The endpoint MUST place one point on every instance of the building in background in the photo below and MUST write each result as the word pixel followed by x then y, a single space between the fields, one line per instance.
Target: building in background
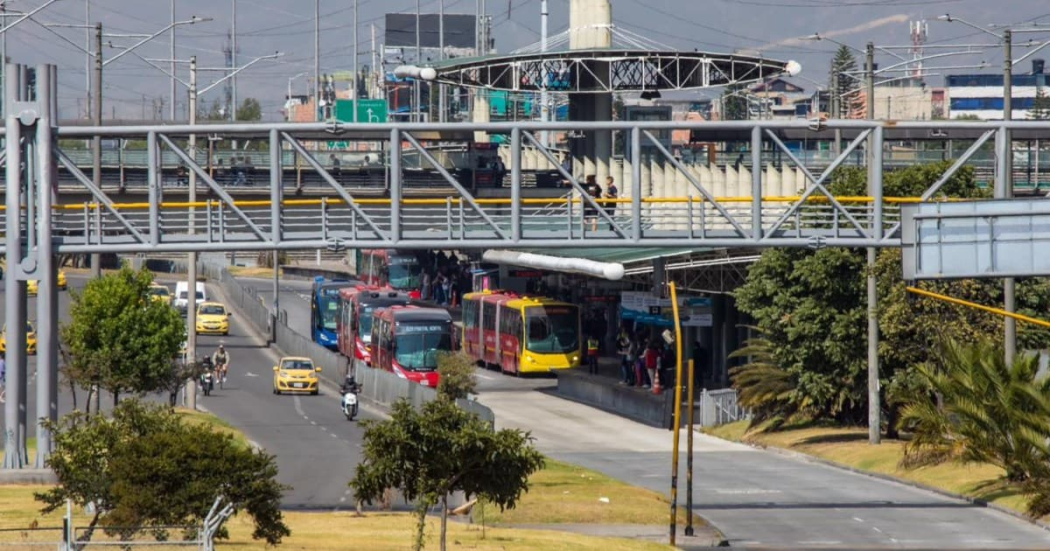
pixel 981 96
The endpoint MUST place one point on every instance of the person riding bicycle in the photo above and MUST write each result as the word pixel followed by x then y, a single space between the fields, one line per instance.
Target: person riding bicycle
pixel 221 360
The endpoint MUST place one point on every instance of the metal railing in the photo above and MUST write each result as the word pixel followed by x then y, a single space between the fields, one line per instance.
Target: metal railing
pixel 719 407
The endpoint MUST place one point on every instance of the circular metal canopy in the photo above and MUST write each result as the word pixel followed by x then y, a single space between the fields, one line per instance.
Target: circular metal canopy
pixel 608 70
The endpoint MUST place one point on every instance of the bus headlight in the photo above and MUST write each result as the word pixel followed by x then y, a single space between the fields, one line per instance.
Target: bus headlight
pixel 529 358
pixel 575 358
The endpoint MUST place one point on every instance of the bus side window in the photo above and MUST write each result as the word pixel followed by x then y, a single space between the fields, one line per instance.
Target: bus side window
pixel 351 316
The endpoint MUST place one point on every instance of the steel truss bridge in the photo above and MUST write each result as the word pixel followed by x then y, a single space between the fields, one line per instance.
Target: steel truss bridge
pixel 646 216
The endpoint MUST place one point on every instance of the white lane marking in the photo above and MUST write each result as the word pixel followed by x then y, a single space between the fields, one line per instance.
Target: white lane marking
pixel 744 491
pixel 324 429
pixel 250 374
pixel 858 519
pixel 819 542
pixel 876 529
pixel 299 406
pixel 333 435
pixel 314 423
pixel 342 499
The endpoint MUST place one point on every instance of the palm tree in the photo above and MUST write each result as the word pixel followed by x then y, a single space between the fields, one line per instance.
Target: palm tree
pixel 981 410
pixel 763 387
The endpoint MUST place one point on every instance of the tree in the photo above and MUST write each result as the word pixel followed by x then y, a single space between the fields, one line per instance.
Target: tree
pixel 119 339
pixel 429 454
pixel 457 375
pixel 842 64
pixel 811 306
pixel 146 468
pixel 249 110
pixel 764 388
pixel 1040 107
pixel 979 409
pixel 216 112
pixel 734 104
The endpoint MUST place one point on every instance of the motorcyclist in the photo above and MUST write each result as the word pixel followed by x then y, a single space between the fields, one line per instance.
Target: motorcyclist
pixel 221 360
pixel 350 385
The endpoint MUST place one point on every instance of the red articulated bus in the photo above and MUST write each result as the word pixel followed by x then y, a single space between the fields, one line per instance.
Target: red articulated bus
pixel 406 340
pixel 390 268
pixel 357 304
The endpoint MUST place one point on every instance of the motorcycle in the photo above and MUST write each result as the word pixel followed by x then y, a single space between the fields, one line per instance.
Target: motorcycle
pixel 349 403
pixel 207 382
pixel 207 379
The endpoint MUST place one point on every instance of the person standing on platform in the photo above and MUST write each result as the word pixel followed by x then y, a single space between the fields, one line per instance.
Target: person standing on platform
pixel 592 354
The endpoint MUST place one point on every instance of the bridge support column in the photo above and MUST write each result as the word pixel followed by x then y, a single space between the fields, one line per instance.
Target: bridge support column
pixel 16 101
pixel 47 289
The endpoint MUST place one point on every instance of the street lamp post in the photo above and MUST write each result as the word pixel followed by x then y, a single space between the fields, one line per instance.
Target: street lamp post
pixel 1004 188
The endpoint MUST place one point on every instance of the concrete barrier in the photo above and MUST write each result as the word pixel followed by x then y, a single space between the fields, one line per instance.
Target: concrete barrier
pixel 603 393
pixel 379 387
pixel 309 272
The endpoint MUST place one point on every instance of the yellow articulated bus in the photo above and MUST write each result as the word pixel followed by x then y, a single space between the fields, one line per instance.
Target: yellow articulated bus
pixel 521 334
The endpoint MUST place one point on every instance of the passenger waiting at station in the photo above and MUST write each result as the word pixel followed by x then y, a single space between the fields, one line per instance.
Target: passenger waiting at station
pixel 592 355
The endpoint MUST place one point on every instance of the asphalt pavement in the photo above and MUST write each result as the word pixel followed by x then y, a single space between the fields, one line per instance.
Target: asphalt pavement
pixel 317 449
pixel 755 498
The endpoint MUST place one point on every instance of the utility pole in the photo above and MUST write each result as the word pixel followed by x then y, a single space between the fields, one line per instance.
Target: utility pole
pixel 544 97
pixel 191 259
pixel 96 143
pixel 171 112
pixel 233 63
pixel 3 58
pixel 874 407
pixel 87 55
pixel 317 58
pixel 1006 191
pixel 441 57
pixel 416 86
pixel 357 74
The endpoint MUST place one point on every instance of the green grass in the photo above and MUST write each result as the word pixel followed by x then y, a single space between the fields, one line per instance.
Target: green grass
pixel 849 446
pixel 329 531
pixel 561 493
pixel 217 424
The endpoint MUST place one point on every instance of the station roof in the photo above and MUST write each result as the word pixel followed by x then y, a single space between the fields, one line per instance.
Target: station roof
pixel 608 70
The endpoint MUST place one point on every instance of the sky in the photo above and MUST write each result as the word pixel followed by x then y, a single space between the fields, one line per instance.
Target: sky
pixel 773 27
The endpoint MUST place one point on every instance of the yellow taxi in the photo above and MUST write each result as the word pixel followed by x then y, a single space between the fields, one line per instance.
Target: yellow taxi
pixel 295 374
pixel 30 339
pixel 160 293
pixel 32 284
pixel 213 318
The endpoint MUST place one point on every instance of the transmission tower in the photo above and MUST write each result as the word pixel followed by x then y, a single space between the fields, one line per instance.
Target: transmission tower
pixel 919 30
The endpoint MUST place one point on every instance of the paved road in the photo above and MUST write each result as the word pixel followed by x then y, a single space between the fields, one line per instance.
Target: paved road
pixel 756 498
pixel 308 434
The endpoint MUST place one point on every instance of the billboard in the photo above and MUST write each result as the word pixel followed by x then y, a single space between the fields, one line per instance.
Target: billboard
pixel 460 30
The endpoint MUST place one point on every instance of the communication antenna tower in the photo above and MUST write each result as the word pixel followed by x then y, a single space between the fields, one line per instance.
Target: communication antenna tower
pixel 919 31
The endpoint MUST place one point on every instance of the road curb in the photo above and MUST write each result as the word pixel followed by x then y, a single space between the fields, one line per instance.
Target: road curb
pixel 889 478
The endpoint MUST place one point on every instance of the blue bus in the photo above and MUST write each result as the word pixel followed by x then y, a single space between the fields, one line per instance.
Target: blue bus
pixel 324 310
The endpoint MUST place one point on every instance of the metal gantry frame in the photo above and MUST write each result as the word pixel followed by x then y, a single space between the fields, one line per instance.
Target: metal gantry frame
pixel 691 215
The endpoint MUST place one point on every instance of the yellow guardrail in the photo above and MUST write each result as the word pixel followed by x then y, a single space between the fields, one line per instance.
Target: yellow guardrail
pixel 495 202
pixel 968 304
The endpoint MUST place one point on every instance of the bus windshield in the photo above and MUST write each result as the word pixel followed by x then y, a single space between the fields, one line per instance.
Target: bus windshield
pixel 404 273
pixel 418 345
pixel 329 310
pixel 552 329
pixel 364 323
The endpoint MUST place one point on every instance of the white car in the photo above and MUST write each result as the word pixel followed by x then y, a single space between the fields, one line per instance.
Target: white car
pixel 182 295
